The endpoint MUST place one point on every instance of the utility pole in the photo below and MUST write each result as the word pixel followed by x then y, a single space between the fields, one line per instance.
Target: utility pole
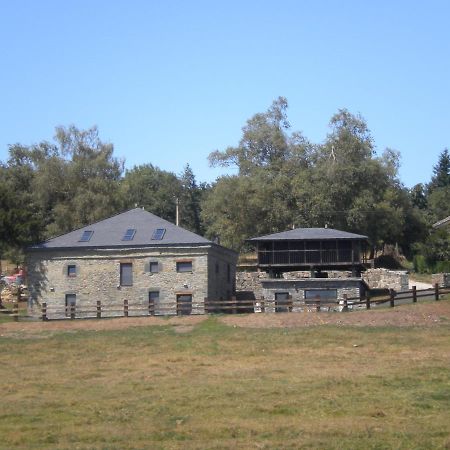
pixel 177 220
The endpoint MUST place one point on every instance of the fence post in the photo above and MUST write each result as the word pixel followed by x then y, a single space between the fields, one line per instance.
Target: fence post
pixel 262 304
pixel 391 297
pixel 72 311
pixel 125 308
pixel 414 294
pixel 436 291
pixel 345 308
pixel 367 301
pixel 290 303
pixel 44 311
pixel 206 305
pixel 99 309
pixel 234 304
pixel 16 311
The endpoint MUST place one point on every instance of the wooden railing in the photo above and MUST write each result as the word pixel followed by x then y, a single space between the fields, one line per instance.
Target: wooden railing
pixel 269 257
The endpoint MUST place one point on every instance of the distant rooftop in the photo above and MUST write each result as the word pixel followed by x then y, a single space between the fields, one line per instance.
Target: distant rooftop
pixel 133 228
pixel 305 234
pixel 442 223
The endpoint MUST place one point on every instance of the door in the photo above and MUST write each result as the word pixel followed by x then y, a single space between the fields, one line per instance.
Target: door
pixel 282 302
pixel 184 304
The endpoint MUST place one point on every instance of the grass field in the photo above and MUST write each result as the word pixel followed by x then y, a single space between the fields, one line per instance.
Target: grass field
pixel 213 386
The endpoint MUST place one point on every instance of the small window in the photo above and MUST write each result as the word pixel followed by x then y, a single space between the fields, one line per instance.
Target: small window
pixel 228 273
pixel 71 270
pixel 158 234
pixel 217 267
pixel 184 266
pixel 321 294
pixel 153 267
pixel 129 234
pixel 86 236
pixel 126 274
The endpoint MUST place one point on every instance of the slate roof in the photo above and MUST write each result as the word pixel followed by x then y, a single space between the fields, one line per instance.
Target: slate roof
pixel 442 223
pixel 306 234
pixel 109 233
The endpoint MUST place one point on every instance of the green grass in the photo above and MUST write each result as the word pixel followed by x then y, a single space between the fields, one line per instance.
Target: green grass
pixel 220 387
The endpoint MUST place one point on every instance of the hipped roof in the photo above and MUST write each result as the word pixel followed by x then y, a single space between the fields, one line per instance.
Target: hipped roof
pixel 109 233
pixel 307 234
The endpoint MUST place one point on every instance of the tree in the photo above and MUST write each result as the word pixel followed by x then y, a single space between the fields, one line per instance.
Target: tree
pixel 154 189
pixel 441 172
pixel 190 201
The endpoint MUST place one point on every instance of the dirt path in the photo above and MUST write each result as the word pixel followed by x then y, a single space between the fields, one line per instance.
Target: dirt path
pixel 425 314
pixel 419 284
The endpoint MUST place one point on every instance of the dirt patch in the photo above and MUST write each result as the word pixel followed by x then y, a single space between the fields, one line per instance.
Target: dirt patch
pixel 426 314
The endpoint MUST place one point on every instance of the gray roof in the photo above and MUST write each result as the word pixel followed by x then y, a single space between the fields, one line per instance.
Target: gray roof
pixel 109 233
pixel 442 223
pixel 305 234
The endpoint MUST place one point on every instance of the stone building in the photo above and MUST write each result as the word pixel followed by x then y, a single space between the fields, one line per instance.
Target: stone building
pixel 135 256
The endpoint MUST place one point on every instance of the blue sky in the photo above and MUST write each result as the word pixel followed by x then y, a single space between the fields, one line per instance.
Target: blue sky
pixel 169 82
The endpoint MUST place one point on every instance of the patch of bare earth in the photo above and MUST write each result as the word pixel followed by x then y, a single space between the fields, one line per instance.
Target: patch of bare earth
pixel 425 314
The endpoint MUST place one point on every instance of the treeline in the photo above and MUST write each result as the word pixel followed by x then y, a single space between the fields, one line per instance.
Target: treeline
pixel 283 181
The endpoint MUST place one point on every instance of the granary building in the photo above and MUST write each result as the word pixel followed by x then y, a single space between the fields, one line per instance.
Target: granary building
pixel 310 264
pixel 135 258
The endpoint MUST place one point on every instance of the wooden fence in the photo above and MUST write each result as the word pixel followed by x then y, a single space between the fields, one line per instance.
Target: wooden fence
pixel 235 306
pixel 232 306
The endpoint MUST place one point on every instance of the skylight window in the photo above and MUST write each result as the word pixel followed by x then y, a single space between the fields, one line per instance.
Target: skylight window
pixel 86 236
pixel 129 234
pixel 158 234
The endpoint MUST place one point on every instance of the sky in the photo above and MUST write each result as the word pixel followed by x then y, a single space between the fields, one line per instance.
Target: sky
pixel 168 82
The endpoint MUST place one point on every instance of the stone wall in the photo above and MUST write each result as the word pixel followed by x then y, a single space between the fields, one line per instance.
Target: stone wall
pixel 442 279
pixel 386 279
pixel 342 288
pixel 249 283
pixel 98 278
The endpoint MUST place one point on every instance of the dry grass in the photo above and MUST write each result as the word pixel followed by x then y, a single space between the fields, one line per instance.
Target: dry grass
pixel 209 385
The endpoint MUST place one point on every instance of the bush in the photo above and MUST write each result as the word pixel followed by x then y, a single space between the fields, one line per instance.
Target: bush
pixel 420 264
pixel 442 267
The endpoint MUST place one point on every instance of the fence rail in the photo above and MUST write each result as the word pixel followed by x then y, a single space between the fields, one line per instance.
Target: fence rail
pixel 235 306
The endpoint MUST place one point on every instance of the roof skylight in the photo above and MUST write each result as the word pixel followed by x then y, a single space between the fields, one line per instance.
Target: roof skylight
pixel 86 236
pixel 129 234
pixel 158 234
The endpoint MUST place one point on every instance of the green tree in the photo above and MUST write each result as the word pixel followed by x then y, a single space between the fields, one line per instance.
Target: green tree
pixel 154 189
pixel 190 201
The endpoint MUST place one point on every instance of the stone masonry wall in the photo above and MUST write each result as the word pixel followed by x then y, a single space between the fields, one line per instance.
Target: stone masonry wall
pixel 98 278
pixel 386 279
pixel 442 279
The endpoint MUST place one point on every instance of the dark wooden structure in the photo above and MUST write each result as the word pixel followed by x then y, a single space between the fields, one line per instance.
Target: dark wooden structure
pixel 315 249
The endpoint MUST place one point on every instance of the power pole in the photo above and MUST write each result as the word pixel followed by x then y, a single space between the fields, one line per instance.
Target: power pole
pixel 177 220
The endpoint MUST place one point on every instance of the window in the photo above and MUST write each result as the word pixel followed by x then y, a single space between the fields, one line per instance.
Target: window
pixel 129 234
pixel 228 273
pixel 71 300
pixel 126 274
pixel 86 236
pixel 71 270
pixel 158 234
pixel 321 294
pixel 217 267
pixel 153 298
pixel 184 266
pixel 153 267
